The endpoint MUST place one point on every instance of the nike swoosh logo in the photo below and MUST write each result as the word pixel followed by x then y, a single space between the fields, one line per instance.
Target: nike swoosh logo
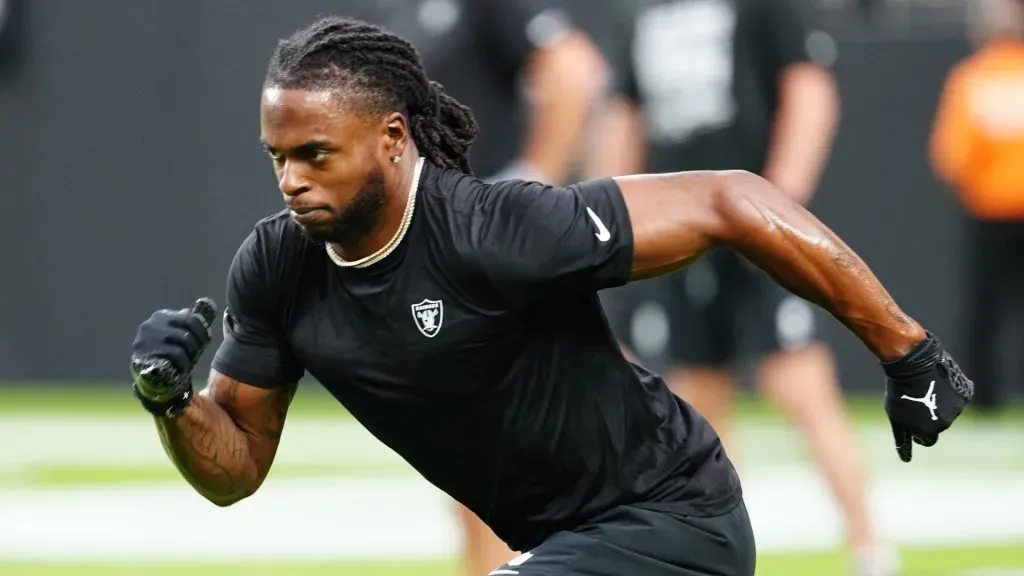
pixel 603 235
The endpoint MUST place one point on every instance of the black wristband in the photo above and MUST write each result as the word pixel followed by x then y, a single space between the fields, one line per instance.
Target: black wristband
pixel 168 409
pixel 922 357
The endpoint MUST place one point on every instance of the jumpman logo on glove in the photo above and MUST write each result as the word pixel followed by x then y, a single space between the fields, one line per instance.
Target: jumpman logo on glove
pixel 928 400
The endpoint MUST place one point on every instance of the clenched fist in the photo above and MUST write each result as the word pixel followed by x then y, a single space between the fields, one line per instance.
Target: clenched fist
pixel 167 348
pixel 925 391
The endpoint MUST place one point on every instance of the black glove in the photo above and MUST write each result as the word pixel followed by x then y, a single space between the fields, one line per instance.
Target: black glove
pixel 925 391
pixel 166 349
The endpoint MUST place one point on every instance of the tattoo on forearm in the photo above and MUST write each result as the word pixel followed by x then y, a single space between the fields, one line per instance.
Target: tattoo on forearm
pixel 274 413
pixel 212 455
pixel 218 455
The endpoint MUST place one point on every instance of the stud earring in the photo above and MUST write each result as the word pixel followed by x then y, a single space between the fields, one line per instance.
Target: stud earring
pixel 395 159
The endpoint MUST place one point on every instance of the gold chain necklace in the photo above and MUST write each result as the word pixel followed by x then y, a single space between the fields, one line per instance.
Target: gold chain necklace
pixel 388 248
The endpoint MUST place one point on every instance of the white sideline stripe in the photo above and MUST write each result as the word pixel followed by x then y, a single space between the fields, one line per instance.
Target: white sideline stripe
pixel 132 441
pixel 365 518
pixel 380 518
pixel 792 509
pixel 126 440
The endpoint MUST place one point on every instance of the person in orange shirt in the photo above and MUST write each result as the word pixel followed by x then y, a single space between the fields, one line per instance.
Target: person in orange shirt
pixel 977 147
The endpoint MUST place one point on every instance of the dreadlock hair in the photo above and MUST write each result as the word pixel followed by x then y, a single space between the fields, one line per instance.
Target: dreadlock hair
pixel 386 73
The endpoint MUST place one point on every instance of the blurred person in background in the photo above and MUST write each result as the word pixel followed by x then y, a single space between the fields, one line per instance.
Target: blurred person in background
pixel 530 76
pixel 977 147
pixel 716 84
pixel 528 72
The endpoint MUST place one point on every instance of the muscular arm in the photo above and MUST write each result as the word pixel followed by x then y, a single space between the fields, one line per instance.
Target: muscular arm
pixel 225 441
pixel 676 217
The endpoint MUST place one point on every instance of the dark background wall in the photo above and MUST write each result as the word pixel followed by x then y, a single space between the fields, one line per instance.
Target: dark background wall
pixel 130 172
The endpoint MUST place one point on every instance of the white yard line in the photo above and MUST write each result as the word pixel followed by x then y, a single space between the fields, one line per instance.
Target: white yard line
pixel 132 441
pixel 364 518
pixel 792 509
pixel 357 518
pixel 118 441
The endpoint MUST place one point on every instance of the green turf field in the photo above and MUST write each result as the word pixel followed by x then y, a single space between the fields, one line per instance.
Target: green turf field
pixel 991 561
pixel 97 399
pixel 63 444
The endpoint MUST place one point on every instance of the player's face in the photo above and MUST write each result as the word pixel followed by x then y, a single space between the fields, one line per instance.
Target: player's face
pixel 329 160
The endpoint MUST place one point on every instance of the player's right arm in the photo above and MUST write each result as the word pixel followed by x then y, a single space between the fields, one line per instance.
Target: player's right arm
pixel 225 440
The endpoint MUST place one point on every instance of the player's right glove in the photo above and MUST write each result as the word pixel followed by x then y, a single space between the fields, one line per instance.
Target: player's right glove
pixel 166 349
pixel 925 391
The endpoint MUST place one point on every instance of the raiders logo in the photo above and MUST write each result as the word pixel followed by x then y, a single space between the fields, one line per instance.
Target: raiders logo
pixel 428 316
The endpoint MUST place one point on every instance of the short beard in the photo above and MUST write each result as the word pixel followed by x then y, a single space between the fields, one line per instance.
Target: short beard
pixel 349 228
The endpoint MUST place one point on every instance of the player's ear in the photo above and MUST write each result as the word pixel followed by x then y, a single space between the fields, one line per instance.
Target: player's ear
pixel 395 135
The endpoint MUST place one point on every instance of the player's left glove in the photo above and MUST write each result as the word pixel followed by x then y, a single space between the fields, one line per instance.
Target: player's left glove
pixel 925 391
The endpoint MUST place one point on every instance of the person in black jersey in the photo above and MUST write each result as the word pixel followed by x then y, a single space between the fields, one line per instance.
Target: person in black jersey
pixel 459 322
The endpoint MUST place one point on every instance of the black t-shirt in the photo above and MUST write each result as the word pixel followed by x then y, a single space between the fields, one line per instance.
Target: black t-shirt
pixel 705 74
pixel 477 49
pixel 479 352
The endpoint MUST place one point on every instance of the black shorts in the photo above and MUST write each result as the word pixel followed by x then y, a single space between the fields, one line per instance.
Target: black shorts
pixel 637 541
pixel 719 311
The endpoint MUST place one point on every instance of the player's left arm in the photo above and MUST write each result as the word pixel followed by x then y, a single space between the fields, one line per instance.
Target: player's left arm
pixel 536 242
pixel 676 217
pixel 564 74
pixel 805 120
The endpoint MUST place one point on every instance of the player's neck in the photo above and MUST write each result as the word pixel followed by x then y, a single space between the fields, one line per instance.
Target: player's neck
pixel 392 213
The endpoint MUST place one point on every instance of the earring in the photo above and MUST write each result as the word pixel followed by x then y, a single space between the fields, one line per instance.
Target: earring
pixel 395 159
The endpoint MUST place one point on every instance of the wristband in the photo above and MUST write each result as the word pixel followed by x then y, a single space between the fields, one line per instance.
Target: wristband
pixel 171 408
pixel 922 357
